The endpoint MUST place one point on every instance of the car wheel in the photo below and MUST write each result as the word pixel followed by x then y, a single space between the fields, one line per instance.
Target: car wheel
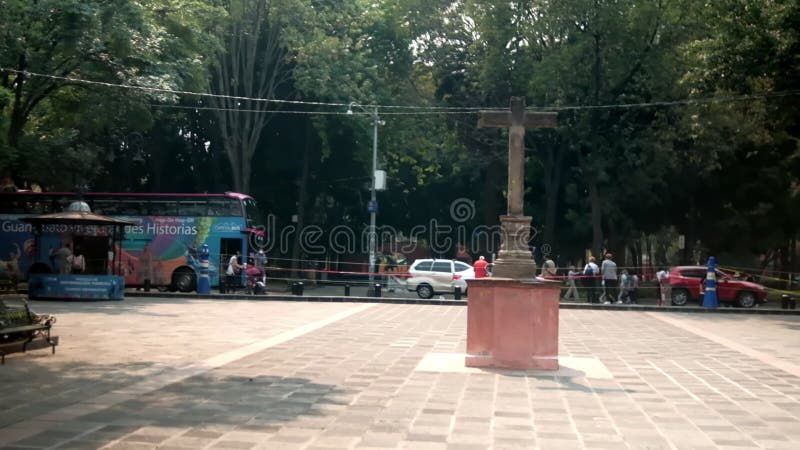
pixel 680 297
pixel 746 299
pixel 183 280
pixel 425 291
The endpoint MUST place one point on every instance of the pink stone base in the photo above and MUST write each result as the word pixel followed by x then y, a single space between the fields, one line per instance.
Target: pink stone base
pixel 512 324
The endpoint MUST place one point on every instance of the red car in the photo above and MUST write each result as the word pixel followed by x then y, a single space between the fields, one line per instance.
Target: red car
pixel 688 283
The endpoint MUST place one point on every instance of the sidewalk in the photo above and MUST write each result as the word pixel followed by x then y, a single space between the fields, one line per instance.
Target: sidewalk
pixel 192 373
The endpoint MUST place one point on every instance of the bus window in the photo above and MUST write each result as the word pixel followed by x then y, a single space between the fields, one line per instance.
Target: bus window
pixel 252 213
pixel 192 208
pixel 224 207
pixel 162 208
pixel 103 207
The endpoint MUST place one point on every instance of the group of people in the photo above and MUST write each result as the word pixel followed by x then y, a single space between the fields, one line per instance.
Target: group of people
pixel 254 270
pixel 603 283
pixel 67 261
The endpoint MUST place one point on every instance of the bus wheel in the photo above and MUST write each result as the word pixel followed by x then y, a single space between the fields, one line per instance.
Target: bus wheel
pixel 183 280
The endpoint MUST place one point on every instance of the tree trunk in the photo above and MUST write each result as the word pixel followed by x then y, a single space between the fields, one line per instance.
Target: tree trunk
pixel 490 201
pixel 18 117
pixel 252 69
pixel 553 169
pixel 302 194
pixel 597 215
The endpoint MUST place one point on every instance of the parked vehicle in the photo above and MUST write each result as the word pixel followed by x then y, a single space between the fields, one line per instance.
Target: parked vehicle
pixel 438 276
pixel 688 284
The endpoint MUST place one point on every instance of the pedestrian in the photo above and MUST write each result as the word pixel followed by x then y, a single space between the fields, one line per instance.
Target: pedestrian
pixel 629 285
pixel 609 272
pixel 548 268
pixel 590 273
pixel 623 291
pixel 61 257
pixel 234 270
pixel 480 267
pixel 664 288
pixel 633 288
pixel 572 290
pixel 463 255
pixel 78 262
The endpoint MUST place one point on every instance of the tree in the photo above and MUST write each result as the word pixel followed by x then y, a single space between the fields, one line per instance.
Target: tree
pixel 751 145
pixel 45 43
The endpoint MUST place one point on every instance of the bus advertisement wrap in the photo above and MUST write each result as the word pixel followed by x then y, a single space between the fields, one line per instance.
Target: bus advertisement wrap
pixel 153 248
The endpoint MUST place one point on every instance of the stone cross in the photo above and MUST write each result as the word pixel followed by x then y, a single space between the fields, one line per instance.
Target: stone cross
pixel 514 259
pixel 517 120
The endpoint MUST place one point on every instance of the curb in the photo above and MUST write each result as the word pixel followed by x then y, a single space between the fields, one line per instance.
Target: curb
pixel 419 301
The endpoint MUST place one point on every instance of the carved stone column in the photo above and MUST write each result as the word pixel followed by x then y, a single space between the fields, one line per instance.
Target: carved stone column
pixel 514 260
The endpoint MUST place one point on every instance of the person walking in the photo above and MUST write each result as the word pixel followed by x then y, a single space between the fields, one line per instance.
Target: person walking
pixel 572 290
pixel 609 272
pixel 628 287
pixel 633 288
pixel 590 273
pixel 664 288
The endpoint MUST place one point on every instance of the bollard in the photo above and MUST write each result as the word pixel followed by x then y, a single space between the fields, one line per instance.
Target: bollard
pixel 204 281
pixel 377 290
pixel 347 290
pixel 147 285
pixel 710 299
pixel 457 292
pixel 298 288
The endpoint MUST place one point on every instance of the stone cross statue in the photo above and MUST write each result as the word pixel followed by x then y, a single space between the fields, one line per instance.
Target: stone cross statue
pixel 515 259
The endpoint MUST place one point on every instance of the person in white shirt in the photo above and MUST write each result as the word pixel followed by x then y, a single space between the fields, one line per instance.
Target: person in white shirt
pixel 665 290
pixel 77 261
pixel 572 290
pixel 609 271
pixel 234 271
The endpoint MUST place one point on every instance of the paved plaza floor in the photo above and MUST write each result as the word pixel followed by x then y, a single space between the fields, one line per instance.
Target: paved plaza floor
pixel 177 373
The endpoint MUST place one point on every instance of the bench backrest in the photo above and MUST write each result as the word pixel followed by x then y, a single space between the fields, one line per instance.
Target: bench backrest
pixel 14 312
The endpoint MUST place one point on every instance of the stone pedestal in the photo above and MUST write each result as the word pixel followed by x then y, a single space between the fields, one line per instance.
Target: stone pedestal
pixel 514 260
pixel 512 324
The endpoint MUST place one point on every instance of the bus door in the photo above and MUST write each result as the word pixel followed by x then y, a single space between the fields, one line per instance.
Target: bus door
pixel 227 248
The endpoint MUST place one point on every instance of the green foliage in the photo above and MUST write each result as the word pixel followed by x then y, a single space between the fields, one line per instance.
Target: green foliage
pixel 606 177
pixel 149 43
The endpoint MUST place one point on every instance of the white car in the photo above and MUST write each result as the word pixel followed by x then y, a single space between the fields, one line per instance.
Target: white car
pixel 438 276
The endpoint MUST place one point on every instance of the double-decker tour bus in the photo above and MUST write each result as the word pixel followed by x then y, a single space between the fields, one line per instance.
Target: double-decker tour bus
pixel 160 248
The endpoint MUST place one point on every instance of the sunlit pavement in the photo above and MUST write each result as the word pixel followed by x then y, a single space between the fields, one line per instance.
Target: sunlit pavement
pixel 240 374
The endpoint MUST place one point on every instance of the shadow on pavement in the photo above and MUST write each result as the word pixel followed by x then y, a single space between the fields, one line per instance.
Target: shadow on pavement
pixel 199 407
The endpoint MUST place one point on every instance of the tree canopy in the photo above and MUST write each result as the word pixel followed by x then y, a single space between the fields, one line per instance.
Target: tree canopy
pixel 675 118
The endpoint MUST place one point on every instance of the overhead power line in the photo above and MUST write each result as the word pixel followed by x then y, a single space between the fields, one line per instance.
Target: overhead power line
pixel 385 109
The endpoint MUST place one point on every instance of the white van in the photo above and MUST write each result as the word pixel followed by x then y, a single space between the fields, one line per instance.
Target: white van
pixel 438 276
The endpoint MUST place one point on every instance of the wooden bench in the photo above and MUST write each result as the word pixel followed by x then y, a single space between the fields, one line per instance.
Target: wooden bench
pixel 21 329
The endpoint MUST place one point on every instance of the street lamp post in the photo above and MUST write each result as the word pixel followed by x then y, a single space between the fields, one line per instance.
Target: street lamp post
pixel 373 206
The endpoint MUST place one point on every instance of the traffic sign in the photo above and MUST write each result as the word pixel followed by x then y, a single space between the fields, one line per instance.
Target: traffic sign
pixel 372 206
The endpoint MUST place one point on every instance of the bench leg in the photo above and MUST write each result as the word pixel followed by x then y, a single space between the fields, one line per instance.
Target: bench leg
pixel 25 344
pixel 51 341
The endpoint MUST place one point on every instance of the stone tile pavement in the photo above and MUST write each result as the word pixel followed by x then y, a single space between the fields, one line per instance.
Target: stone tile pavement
pixel 236 374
